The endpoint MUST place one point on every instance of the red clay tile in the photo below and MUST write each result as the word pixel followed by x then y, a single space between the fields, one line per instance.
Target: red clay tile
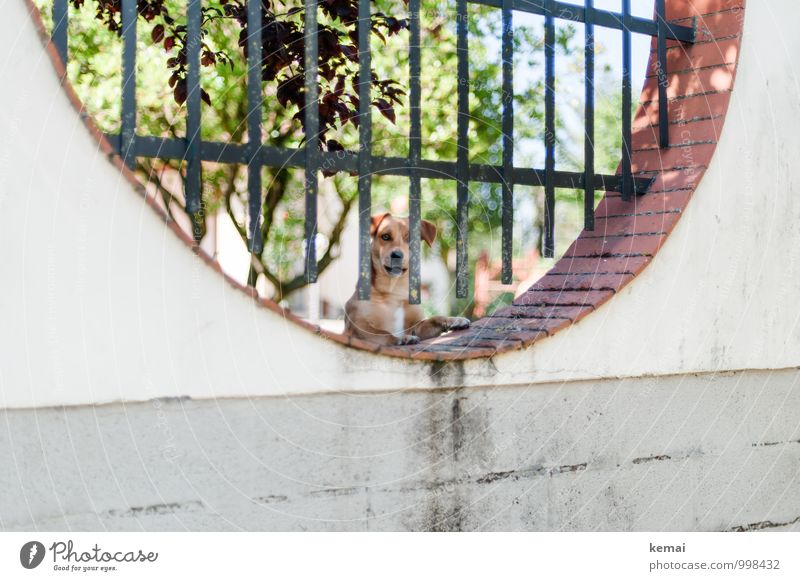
pixel 659 160
pixel 582 281
pixel 527 337
pixel 688 8
pixel 505 327
pixel 540 314
pixel 642 224
pixel 479 343
pixel 684 109
pixel 628 264
pixel 694 82
pixel 680 134
pixel 563 298
pixel 499 324
pixel 616 245
pixel 719 25
pixel 680 58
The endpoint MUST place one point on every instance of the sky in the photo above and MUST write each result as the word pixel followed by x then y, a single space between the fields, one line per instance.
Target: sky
pixel 609 53
pixel 612 40
pixel 609 43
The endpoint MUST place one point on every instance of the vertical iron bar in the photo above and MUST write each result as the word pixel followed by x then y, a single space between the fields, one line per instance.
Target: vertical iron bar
pixel 312 137
pixel 462 160
pixel 364 150
pixel 663 104
pixel 549 129
pixel 61 28
pixel 127 133
pixel 627 181
pixel 254 106
pixel 508 141
pixel 415 155
pixel 193 104
pixel 588 148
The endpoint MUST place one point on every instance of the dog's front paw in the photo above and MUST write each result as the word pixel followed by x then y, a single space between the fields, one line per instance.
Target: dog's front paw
pixel 408 340
pixel 458 323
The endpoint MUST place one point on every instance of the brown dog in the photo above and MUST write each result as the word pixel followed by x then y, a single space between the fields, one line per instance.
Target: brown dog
pixel 387 317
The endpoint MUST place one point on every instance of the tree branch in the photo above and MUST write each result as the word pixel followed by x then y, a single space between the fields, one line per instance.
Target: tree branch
pixel 284 288
pixel 154 176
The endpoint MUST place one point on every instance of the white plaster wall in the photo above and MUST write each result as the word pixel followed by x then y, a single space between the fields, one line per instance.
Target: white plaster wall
pixel 691 452
pixel 99 301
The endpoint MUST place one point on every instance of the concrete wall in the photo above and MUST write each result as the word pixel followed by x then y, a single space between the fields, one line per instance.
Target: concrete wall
pixel 691 452
pixel 100 303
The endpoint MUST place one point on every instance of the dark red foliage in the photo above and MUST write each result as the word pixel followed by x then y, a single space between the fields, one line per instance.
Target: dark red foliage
pixel 283 54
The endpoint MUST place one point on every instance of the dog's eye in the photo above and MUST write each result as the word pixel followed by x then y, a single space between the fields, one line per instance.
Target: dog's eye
pixel 386 237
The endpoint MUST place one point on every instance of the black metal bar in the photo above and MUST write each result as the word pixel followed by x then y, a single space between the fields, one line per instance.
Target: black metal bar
pixel 627 188
pixel 254 106
pixel 462 162
pixel 364 150
pixel 311 116
pixel 661 54
pixel 192 183
pixel 347 161
pixel 414 155
pixel 508 143
pixel 128 121
pixel 60 34
pixel 603 18
pixel 588 148
pixel 549 129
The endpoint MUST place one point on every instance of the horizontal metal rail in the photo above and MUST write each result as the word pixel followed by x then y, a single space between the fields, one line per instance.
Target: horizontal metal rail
pixel 347 161
pixel 602 18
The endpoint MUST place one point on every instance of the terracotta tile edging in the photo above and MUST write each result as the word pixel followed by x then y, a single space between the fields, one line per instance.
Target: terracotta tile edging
pixel 598 264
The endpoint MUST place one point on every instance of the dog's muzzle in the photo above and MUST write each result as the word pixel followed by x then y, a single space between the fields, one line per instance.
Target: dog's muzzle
pixel 395 266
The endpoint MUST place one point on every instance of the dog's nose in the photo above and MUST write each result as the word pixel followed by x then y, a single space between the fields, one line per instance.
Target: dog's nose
pixel 396 255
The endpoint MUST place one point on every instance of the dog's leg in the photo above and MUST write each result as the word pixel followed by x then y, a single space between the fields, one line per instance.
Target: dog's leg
pixel 407 340
pixel 377 324
pixel 435 326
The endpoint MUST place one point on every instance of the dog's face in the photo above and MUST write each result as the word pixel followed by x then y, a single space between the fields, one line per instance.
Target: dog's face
pixel 390 253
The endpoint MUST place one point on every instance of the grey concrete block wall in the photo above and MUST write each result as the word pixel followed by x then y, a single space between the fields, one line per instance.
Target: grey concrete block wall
pixel 691 452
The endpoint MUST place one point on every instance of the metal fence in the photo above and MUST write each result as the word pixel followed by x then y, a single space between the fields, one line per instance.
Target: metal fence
pixel 193 150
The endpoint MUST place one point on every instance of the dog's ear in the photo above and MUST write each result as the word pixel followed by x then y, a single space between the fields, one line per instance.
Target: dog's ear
pixel 428 232
pixel 376 221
